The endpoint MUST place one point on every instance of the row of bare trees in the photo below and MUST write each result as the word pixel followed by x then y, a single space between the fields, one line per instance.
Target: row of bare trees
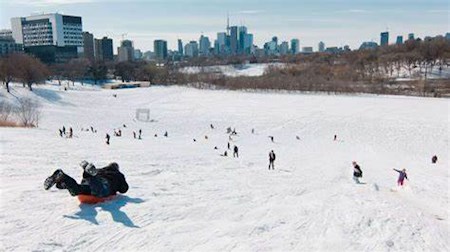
pixel 368 71
pixel 22 68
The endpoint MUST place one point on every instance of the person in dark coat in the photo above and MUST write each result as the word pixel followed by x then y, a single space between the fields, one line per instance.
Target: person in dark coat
pixel 140 133
pixel 64 130
pixel 212 126
pixel 272 159
pixel 335 138
pixel 134 134
pixel 70 132
pixel 235 151
pixel 434 159
pixel 60 132
pixel 357 172
pixel 271 138
pixel 101 182
pixel 107 138
pixel 229 146
pixel 166 134
pixel 401 176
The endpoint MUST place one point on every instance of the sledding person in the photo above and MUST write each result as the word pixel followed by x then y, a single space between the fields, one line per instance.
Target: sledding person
pixel 64 130
pixel 212 126
pixel 271 159
pixel 434 159
pixel 235 151
pixel 271 138
pixel 101 182
pixel 60 132
pixel 401 176
pixel 107 138
pixel 166 134
pixel 140 133
pixel 70 132
pixel 357 172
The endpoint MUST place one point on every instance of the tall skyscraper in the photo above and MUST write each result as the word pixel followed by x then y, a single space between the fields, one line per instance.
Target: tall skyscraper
pixel 51 37
pixel 321 46
pixel 384 38
pixel 88 46
pixel 284 48
pixel 221 43
pixel 205 45
pixel 180 47
pixel 248 44
pixel 234 39
pixel 160 49
pixel 295 46
pixel 191 49
pixel 399 40
pixel 241 39
pixel 126 51
pixel 104 49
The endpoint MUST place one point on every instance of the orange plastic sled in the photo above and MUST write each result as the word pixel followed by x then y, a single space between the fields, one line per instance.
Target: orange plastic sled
pixel 89 199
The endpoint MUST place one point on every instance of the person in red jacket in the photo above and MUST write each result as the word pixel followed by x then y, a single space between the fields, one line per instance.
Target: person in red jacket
pixel 101 182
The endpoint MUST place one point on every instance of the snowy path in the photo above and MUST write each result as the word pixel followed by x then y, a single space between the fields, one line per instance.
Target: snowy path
pixel 185 197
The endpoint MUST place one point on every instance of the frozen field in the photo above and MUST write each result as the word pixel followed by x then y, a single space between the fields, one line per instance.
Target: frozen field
pixel 184 196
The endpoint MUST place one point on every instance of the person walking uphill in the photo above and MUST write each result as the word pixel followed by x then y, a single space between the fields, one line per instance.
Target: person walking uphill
pixel 357 172
pixel 101 182
pixel 271 159
pixel 401 176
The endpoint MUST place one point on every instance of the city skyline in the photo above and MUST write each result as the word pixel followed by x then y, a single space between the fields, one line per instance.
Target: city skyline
pixel 337 23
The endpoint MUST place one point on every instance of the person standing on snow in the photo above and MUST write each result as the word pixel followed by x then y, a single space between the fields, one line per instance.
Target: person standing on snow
pixel 434 159
pixel 107 138
pixel 271 159
pixel 235 151
pixel 357 172
pixel 401 176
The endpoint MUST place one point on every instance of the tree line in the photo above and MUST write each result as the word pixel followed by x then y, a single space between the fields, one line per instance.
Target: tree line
pixel 368 71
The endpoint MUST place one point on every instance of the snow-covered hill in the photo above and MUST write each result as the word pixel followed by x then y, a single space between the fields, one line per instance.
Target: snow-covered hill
pixel 184 196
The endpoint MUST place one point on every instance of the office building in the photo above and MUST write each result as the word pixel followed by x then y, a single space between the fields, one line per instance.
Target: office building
pixel 160 49
pixel 51 37
pixel 221 43
pixel 295 46
pixel 126 51
pixel 88 46
pixel 399 40
pixel 180 47
pixel 8 45
pixel 284 48
pixel 5 33
pixel 205 45
pixel 191 49
pixel 104 49
pixel 368 45
pixel 248 44
pixel 321 46
pixel 411 36
pixel 384 39
pixel 307 49
pixel 138 54
pixel 241 39
pixel 234 40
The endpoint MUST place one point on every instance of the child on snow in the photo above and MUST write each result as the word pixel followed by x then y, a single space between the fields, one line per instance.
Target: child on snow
pixel 401 176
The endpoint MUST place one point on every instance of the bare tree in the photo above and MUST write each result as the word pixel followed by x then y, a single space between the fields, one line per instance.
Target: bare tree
pixel 8 69
pixel 28 112
pixel 30 70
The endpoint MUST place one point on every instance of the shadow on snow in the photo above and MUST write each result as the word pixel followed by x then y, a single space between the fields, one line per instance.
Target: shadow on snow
pixel 89 212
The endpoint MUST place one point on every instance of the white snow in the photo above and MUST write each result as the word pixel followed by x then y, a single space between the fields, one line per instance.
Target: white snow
pixel 256 69
pixel 185 197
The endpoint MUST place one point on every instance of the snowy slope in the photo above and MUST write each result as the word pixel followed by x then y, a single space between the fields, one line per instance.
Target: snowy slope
pixel 185 197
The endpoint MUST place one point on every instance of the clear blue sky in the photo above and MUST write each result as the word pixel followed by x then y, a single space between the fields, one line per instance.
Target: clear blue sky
pixel 335 22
